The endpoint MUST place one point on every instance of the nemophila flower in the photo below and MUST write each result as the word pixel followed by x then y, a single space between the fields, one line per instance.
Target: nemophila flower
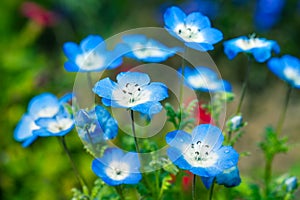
pixel 229 178
pixel 147 49
pixel 133 90
pixel 235 123
pixel 260 48
pixel 204 79
pixel 45 105
pixel 286 68
pixel 116 167
pixel 201 152
pixel 96 124
pixel 91 55
pixel 208 8
pixel 291 183
pixel 267 18
pixel 194 29
pixel 59 125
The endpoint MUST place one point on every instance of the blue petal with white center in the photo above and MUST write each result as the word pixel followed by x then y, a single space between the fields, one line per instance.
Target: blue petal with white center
pixel 201 152
pixel 204 79
pixel 96 125
pixel 43 106
pixel 194 29
pixel 147 49
pixel 116 167
pixel 260 48
pixel 133 90
pixel 286 68
pixel 91 55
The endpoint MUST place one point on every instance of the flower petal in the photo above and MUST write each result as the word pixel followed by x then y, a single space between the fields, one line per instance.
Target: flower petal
pixel 228 157
pixel 71 50
pixel 173 16
pixel 23 131
pixel 179 139
pixel 211 35
pixel 177 158
pixel 92 42
pixel 132 77
pixel 104 88
pixel 158 91
pixel 207 181
pixel 148 108
pixel 198 20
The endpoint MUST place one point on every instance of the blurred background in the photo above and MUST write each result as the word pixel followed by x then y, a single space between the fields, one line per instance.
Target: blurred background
pixel 31 62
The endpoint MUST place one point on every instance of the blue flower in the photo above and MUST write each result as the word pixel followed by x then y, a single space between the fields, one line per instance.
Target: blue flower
pixel 235 123
pixel 229 178
pixel 291 183
pixel 96 125
pixel 201 152
pixel 133 90
pixel 91 55
pixel 205 79
pixel 267 18
pixel 194 29
pixel 116 167
pixel 260 48
pixel 147 49
pixel 45 105
pixel 286 68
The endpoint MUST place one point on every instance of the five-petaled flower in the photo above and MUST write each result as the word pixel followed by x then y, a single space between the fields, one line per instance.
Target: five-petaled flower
pixel 147 49
pixel 91 55
pixel 194 29
pixel 201 152
pixel 45 105
pixel 260 48
pixel 286 68
pixel 133 90
pixel 205 79
pixel 116 167
pixel 96 125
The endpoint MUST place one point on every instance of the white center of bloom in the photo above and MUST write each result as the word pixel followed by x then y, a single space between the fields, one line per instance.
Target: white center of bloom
pixel 292 74
pixel 59 125
pixel 200 155
pixel 130 95
pixel 89 61
pixel 47 112
pixel 189 33
pixel 117 170
pixel 247 44
pixel 147 50
pixel 202 82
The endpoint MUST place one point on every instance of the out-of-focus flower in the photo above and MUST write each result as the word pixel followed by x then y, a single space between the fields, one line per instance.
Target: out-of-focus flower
pixel 201 152
pixel 96 124
pixel 208 8
pixel 133 90
pixel 235 123
pixel 291 183
pixel 286 68
pixel 39 14
pixel 91 55
pixel 194 29
pixel 268 13
pixel 116 167
pixel 45 105
pixel 260 48
pixel 204 79
pixel 147 49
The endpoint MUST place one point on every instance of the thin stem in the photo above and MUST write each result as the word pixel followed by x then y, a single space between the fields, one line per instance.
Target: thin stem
pixel 268 173
pixel 244 87
pixel 79 178
pixel 133 132
pixel 182 78
pixel 89 78
pixel 283 113
pixel 211 191
pixel 120 191
pixel 194 187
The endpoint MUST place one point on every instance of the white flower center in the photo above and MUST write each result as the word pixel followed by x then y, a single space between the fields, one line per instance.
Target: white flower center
pixel 130 95
pixel 117 170
pixel 292 74
pixel 247 44
pixel 89 61
pixel 47 112
pixel 202 82
pixel 59 125
pixel 147 50
pixel 200 155
pixel 189 33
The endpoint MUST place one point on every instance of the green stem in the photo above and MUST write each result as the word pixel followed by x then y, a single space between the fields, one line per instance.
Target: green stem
pixel 211 191
pixel 244 87
pixel 194 187
pixel 79 178
pixel 157 181
pixel 283 113
pixel 268 173
pixel 119 190
pixel 133 132
pixel 182 78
